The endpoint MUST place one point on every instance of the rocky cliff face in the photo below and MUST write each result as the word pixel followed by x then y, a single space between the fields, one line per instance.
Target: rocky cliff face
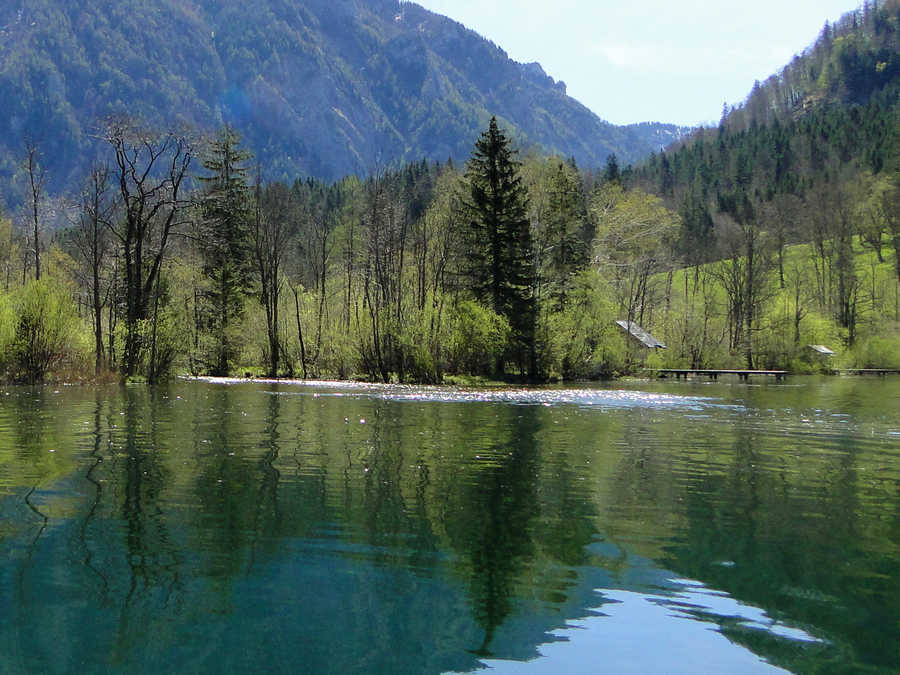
pixel 316 87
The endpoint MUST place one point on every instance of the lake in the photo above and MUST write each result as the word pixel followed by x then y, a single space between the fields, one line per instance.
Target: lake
pixel 677 527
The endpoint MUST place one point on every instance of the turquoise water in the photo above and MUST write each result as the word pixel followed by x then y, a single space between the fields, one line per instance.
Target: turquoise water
pixel 277 527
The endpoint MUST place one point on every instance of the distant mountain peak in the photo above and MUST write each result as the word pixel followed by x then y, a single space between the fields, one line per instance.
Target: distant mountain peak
pixel 318 88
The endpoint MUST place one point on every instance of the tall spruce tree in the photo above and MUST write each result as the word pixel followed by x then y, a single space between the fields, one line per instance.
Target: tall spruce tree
pixel 225 244
pixel 500 271
pixel 566 251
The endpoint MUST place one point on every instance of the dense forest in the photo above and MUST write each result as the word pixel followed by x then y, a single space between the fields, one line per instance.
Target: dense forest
pixel 741 246
pixel 181 254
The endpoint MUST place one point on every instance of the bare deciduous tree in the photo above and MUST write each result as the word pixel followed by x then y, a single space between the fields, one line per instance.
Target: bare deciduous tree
pixel 150 170
pixel 36 180
pixel 90 242
pixel 274 222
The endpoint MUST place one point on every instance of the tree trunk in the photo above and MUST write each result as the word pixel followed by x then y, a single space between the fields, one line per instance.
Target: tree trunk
pixel 154 366
pixel 896 239
pixel 299 331
pixel 36 178
pixel 98 322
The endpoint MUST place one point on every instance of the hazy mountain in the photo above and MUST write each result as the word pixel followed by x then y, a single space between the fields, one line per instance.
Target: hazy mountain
pixel 317 87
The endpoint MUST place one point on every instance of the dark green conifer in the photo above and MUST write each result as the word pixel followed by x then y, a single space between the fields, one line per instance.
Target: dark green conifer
pixel 225 244
pixel 501 272
pixel 611 173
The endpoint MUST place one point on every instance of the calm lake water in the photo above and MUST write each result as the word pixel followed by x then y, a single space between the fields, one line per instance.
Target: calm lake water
pixel 272 527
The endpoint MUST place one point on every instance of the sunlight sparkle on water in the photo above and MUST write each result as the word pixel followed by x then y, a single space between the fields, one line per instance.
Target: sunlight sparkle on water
pixel 588 396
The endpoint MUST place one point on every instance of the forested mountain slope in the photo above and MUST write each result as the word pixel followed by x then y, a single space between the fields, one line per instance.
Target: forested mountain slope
pixel 321 88
pixel 822 131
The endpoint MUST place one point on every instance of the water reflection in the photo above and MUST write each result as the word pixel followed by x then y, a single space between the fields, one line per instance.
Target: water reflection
pixel 497 507
pixel 250 527
pixel 92 476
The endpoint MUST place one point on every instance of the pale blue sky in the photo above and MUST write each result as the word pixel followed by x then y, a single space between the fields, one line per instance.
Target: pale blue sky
pixel 650 60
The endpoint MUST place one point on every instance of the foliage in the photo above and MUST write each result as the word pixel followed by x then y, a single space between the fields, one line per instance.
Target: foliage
pixel 421 274
pixel 8 322
pixel 878 351
pixel 634 234
pixel 582 342
pixel 561 231
pixel 43 332
pixel 478 337
pixel 828 118
pixel 811 157
pixel 150 171
pixel 8 251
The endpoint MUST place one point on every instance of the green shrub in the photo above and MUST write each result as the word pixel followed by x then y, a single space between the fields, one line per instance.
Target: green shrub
pixel 170 339
pixel 45 329
pixel 8 323
pixel 478 338
pixel 878 351
pixel 582 341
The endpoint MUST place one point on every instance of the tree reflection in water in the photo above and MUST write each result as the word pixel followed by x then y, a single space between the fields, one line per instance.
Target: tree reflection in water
pixel 153 559
pixel 497 507
pixel 258 526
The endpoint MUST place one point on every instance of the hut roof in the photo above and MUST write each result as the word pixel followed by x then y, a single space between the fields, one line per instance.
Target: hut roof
pixel 640 335
pixel 822 349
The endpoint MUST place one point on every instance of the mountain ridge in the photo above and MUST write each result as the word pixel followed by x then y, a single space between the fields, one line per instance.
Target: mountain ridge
pixel 320 89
